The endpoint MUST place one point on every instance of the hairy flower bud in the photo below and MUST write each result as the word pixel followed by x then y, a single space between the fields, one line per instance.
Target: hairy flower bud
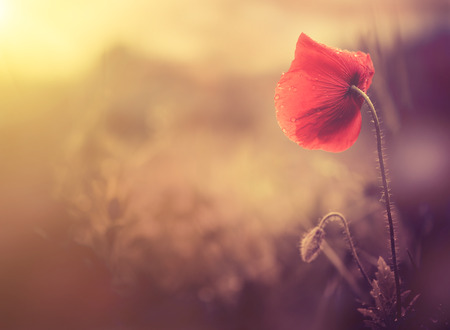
pixel 311 244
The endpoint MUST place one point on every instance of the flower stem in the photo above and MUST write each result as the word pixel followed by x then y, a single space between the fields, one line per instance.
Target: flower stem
pixel 386 196
pixel 349 237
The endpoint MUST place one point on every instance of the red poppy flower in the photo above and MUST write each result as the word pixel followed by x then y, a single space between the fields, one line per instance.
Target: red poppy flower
pixel 315 106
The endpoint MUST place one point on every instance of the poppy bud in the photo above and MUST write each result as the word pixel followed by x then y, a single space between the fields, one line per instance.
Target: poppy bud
pixel 311 244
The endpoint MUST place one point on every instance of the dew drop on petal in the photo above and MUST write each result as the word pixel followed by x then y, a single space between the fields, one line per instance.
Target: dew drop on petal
pixel 293 119
pixel 277 96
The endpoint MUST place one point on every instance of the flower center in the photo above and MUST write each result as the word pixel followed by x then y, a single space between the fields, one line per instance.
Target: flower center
pixel 353 81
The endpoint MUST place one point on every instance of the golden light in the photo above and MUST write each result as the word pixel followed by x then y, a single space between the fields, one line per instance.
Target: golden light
pixel 4 12
pixel 46 41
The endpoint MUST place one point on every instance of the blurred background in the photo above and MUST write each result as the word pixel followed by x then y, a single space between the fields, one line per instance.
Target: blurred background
pixel 145 183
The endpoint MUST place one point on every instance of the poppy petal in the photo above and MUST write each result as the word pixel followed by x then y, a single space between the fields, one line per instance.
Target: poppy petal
pixel 315 107
pixel 314 119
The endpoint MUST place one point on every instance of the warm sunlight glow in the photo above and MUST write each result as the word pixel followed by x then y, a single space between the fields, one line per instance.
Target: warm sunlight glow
pixel 55 40
pixel 146 181
pixel 5 13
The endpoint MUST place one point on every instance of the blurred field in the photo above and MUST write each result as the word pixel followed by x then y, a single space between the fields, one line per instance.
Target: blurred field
pixel 145 183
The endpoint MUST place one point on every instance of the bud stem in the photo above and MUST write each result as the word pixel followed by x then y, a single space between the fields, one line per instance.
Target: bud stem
pixel 386 196
pixel 349 237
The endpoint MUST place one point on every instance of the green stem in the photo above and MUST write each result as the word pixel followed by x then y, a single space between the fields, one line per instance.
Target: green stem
pixel 349 237
pixel 386 196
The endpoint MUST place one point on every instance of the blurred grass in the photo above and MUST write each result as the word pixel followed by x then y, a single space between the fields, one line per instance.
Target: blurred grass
pixel 155 193
pixel 181 185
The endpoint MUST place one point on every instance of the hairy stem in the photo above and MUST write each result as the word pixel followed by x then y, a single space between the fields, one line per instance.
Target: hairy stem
pixel 339 265
pixel 349 238
pixel 386 196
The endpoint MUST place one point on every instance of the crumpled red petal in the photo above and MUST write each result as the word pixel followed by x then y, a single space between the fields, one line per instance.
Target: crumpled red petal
pixel 315 107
